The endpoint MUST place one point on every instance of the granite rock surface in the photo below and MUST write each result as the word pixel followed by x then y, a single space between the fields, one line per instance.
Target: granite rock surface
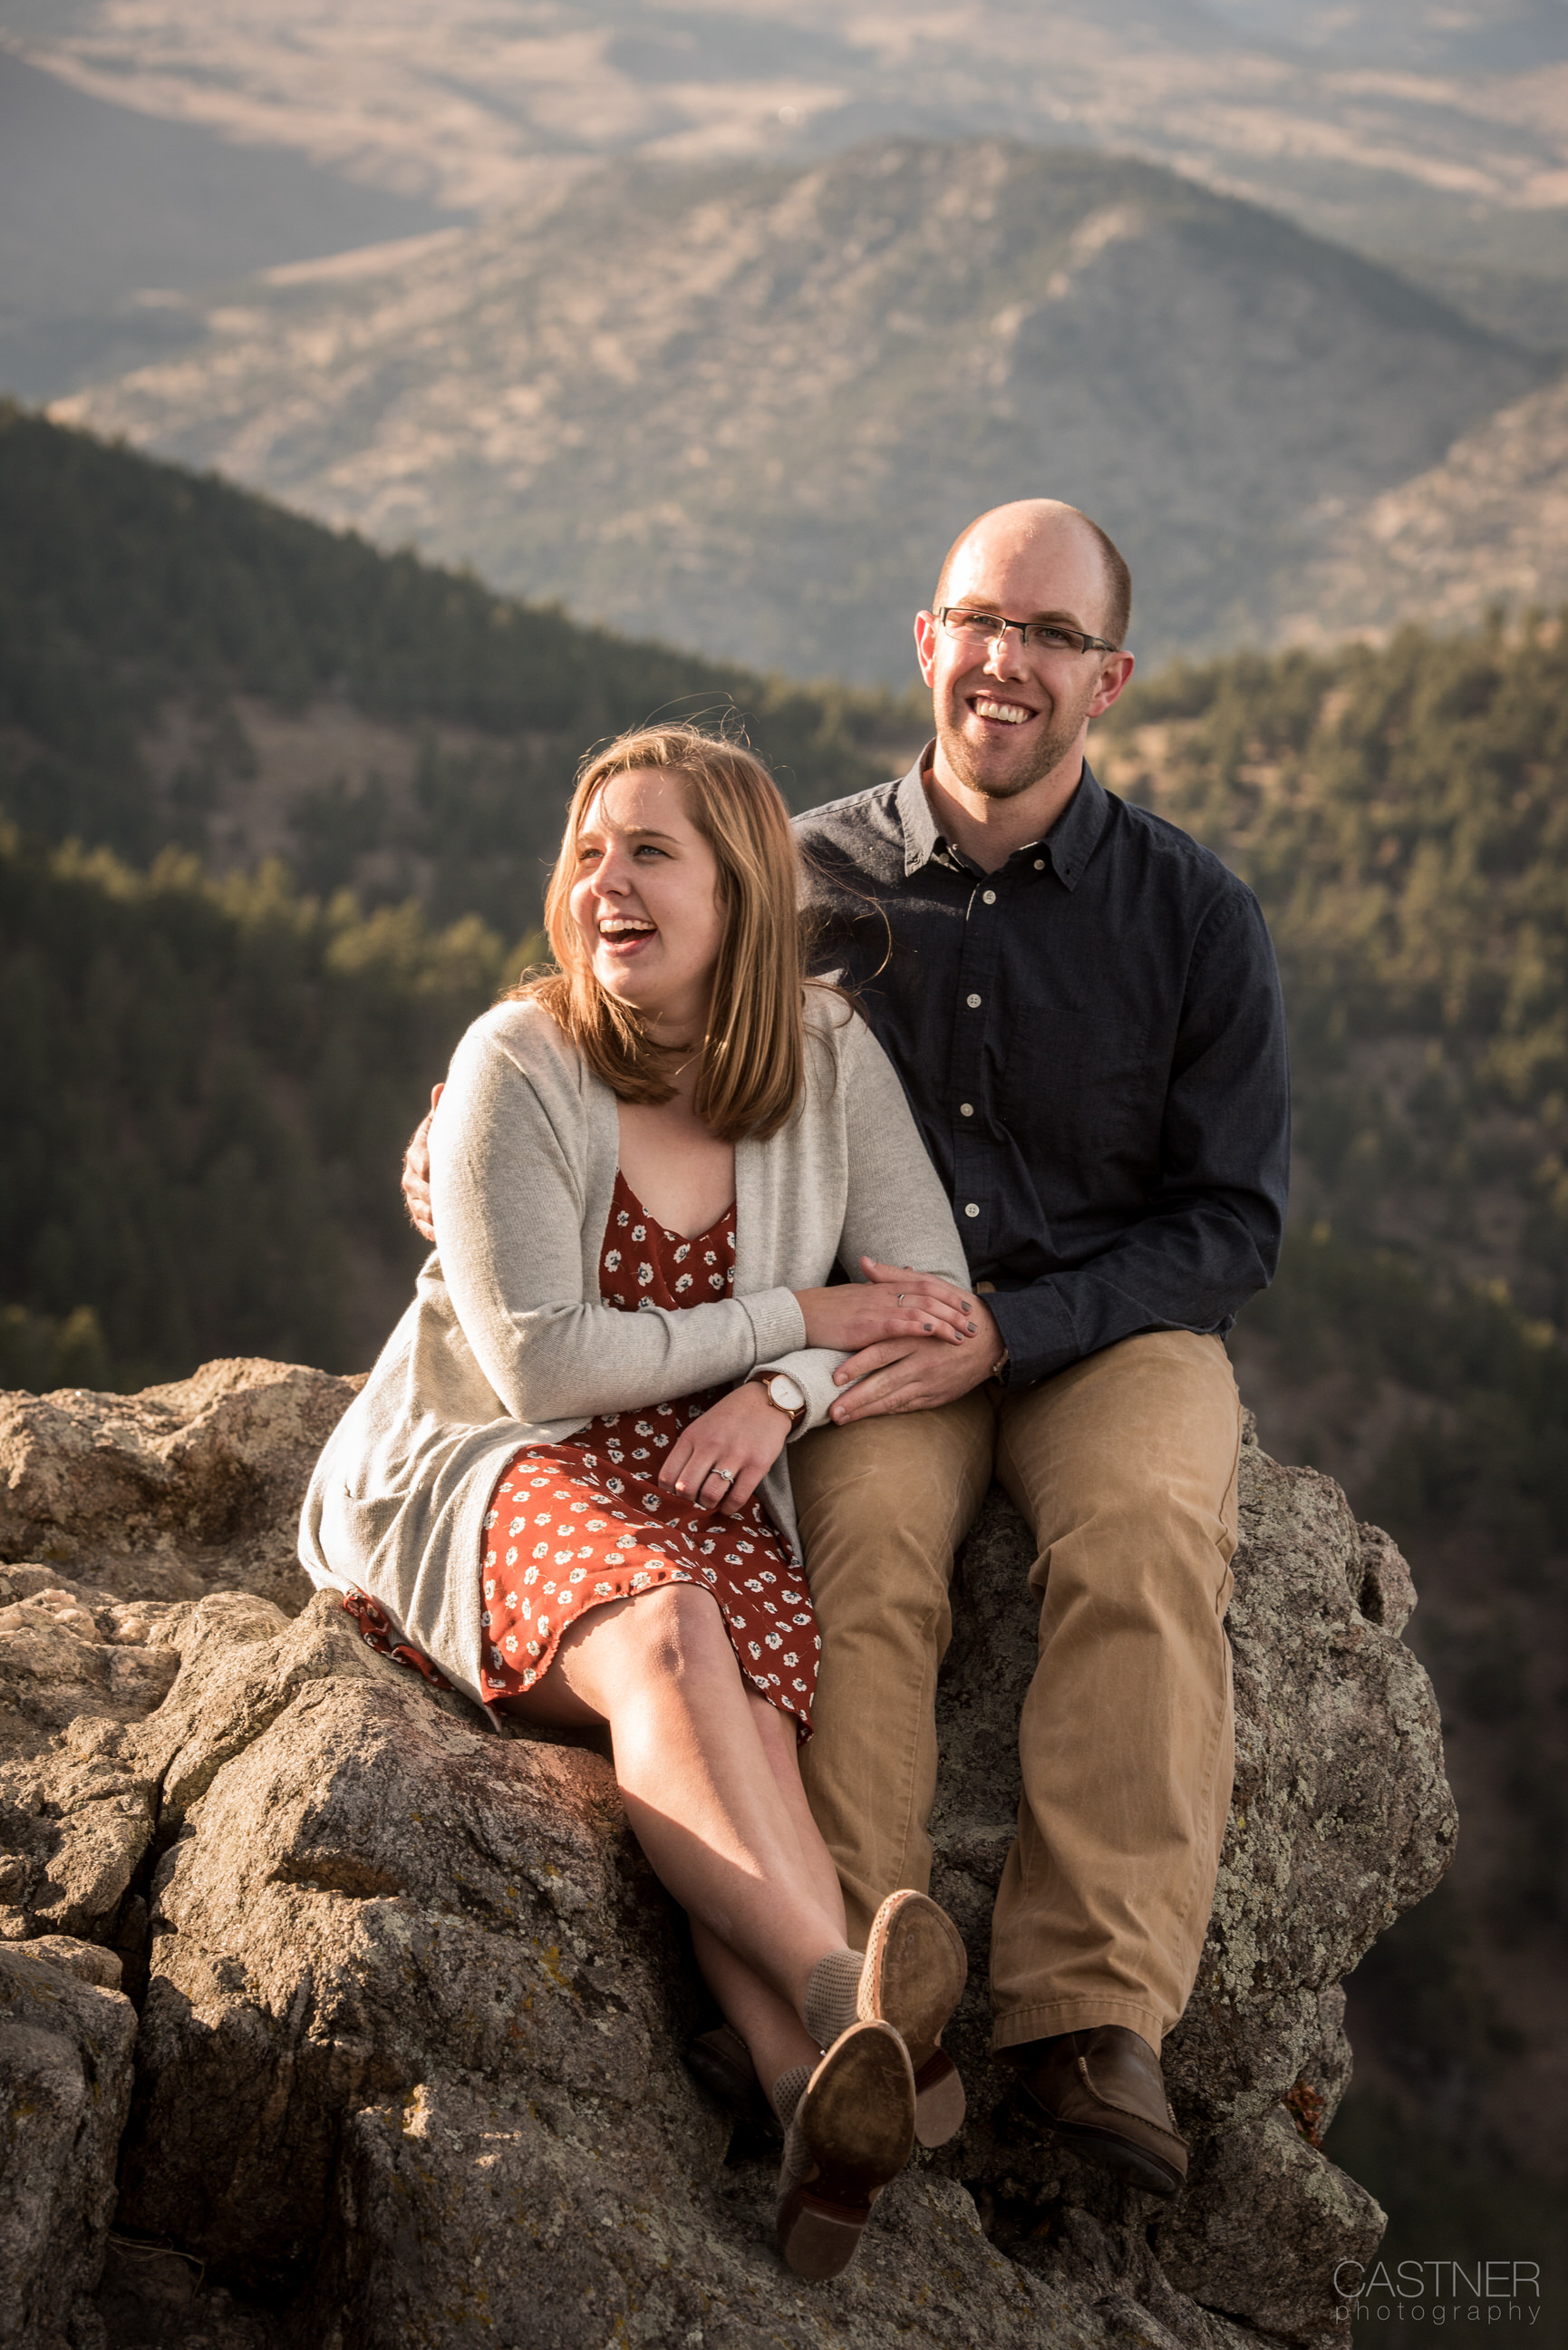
pixel 412 2005
pixel 64 2085
pixel 174 1492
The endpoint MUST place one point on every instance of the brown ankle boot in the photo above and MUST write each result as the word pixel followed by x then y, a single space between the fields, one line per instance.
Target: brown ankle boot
pixel 852 2132
pixel 1103 2093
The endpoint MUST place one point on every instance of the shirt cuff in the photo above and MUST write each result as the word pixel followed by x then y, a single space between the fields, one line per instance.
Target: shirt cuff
pixel 1037 1330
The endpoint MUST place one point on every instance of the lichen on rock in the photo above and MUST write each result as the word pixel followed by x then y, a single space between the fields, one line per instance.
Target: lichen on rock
pixel 412 2005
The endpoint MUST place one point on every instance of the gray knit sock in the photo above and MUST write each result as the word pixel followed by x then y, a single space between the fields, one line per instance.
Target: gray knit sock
pixel 788 2091
pixel 831 1993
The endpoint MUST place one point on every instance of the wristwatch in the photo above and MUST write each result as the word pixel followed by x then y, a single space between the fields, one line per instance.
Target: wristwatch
pixel 780 1389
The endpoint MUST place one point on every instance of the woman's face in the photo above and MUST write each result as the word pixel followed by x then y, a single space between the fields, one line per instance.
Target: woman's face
pixel 645 899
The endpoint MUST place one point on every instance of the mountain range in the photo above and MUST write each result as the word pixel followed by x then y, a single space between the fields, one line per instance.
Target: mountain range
pixel 153 152
pixel 1391 124
pixel 185 669
pixel 746 408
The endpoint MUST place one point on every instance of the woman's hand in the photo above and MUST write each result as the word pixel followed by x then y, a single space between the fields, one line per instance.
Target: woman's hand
pixel 742 1434
pixel 892 1301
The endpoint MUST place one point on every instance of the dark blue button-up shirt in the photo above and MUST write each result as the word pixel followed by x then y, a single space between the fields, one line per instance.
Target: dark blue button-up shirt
pixel 1093 1044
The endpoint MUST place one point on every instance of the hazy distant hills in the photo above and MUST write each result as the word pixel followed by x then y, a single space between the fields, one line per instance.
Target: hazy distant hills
pixel 1432 128
pixel 1488 527
pixel 1494 35
pixel 746 410
pixel 108 214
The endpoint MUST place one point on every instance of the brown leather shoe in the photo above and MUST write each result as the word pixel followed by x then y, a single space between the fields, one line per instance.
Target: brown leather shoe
pixel 1103 2091
pixel 722 2060
pixel 722 2063
pixel 853 2131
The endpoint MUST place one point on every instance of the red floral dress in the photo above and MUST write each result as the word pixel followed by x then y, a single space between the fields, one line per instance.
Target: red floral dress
pixel 576 1525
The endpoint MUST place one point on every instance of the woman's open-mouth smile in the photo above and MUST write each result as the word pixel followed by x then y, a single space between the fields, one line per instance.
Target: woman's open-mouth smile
pixel 625 935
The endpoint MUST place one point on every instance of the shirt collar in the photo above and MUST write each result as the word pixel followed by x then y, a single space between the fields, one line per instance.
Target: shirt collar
pixel 920 834
pixel 1069 844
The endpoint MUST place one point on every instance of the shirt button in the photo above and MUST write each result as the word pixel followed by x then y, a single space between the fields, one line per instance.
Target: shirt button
pixel 974 1003
pixel 973 1209
pixel 989 899
pixel 966 1110
pixel 986 1288
pixel 1040 865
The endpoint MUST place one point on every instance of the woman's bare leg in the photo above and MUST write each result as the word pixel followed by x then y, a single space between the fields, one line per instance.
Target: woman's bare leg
pixel 770 2027
pixel 699 1761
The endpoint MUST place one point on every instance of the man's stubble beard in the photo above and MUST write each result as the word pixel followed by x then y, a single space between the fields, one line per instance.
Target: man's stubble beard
pixel 1048 753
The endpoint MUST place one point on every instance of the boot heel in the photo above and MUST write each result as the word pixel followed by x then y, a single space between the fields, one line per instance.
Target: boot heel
pixel 939 2101
pixel 819 2238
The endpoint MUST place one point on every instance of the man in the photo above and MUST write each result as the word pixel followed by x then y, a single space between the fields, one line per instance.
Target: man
pixel 1082 1006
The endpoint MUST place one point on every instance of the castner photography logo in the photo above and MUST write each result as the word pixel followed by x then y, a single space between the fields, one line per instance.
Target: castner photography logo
pixel 1440 2292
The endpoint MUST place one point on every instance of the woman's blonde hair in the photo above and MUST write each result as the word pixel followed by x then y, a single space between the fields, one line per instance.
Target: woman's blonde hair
pixel 753 1054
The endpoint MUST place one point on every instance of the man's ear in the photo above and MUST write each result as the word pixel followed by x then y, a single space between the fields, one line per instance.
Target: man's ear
pixel 926 644
pixel 1113 676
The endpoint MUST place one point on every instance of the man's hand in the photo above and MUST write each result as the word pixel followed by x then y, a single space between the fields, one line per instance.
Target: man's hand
pixel 916 1373
pixel 417 1174
pixel 742 1434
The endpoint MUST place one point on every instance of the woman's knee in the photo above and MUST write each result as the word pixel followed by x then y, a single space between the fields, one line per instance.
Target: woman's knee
pixel 674 1630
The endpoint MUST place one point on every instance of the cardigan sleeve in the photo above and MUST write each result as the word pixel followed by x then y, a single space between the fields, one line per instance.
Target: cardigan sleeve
pixel 894 1209
pixel 507 1188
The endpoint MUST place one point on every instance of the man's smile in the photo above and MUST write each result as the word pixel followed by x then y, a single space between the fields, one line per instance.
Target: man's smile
pixel 1003 714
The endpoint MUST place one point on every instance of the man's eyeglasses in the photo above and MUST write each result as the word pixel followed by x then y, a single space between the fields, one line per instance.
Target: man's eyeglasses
pixel 983 629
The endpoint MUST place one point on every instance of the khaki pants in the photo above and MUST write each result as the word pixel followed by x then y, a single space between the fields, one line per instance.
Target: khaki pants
pixel 1124 1468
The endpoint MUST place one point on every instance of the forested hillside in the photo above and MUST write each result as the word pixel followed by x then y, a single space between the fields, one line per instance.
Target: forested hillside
pixel 1401 814
pixel 210 1086
pixel 182 664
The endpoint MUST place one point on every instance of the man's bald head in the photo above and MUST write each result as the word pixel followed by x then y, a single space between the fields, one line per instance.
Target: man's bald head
pixel 1027 533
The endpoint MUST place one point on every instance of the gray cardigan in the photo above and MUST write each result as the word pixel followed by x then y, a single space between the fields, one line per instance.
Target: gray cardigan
pixel 507 1342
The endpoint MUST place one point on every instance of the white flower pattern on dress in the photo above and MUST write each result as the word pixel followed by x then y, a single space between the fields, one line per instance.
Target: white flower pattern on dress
pixel 623 1542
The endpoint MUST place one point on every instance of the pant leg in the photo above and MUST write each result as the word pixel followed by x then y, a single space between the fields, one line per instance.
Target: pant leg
pixel 883 1505
pixel 1126 1467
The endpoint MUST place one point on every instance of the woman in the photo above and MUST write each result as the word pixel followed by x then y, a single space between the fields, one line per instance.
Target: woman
pixel 564 1485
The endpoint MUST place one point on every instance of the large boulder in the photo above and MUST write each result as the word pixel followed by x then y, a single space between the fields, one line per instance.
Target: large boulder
pixel 174 1492
pixel 412 2005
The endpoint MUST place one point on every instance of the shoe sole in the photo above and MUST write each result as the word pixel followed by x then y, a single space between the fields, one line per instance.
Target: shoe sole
pixel 857 2119
pixel 915 1972
pixel 940 2104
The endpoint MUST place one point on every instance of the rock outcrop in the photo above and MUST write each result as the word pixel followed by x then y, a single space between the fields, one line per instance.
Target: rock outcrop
pixel 174 1492
pixel 64 2085
pixel 412 2005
